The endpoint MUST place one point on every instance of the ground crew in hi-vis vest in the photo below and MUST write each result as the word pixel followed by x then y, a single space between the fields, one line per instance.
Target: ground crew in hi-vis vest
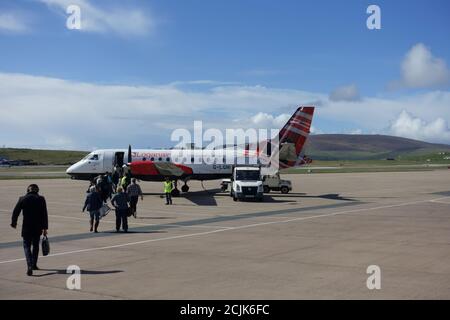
pixel 168 187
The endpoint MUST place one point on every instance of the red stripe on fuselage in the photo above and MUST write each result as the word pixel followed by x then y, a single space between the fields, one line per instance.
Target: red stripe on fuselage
pixel 148 168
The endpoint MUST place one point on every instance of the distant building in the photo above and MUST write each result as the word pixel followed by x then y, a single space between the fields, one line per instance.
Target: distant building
pixel 6 162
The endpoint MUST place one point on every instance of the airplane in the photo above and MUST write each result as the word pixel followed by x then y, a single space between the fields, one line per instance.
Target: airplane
pixel 157 164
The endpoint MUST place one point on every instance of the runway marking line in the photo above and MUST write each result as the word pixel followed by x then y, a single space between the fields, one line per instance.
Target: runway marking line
pixel 439 200
pixel 134 223
pixel 230 229
pixel 161 210
pixel 141 224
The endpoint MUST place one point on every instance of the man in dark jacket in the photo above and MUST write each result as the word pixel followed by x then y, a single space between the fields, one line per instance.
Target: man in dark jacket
pixel 120 202
pixel 93 204
pixel 134 191
pixel 104 188
pixel 35 223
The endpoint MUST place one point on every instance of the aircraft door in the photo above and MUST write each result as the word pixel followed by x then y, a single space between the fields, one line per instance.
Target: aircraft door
pixel 118 159
pixel 108 161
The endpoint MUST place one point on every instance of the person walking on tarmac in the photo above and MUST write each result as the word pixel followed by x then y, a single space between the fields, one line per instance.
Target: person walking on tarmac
pixel 134 191
pixel 127 175
pixel 35 223
pixel 103 188
pixel 168 187
pixel 125 181
pixel 109 185
pixel 120 202
pixel 93 204
pixel 115 179
pixel 122 182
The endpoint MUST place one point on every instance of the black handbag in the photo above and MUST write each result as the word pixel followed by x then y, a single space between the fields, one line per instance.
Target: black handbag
pixel 129 212
pixel 45 246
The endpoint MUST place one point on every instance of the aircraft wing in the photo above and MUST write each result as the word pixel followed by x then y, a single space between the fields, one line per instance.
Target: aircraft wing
pixel 168 169
pixel 150 168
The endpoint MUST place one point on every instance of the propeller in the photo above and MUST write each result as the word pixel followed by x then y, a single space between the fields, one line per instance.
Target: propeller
pixel 130 158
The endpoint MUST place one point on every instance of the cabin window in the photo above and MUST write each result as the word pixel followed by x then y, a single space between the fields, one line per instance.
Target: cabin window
pixel 167 159
pixel 159 159
pixel 94 157
pixel 152 159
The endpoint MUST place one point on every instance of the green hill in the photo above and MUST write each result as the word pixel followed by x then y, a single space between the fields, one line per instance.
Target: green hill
pixel 369 147
pixel 318 147
pixel 43 157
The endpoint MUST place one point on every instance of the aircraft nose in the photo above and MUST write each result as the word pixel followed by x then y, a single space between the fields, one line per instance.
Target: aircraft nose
pixel 72 169
pixel 69 170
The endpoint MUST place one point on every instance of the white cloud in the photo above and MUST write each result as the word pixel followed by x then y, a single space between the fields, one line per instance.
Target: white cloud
pixel 265 120
pixel 406 125
pixel 420 69
pixel 355 131
pixel 202 83
pixel 13 22
pixel 314 130
pixel 345 93
pixel 261 72
pixel 37 110
pixel 108 19
pixel 374 114
pixel 48 112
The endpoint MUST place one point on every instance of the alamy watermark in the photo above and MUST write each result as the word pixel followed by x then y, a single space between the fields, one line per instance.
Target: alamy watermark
pixel 374 280
pixel 73 282
pixel 373 22
pixel 234 146
pixel 73 21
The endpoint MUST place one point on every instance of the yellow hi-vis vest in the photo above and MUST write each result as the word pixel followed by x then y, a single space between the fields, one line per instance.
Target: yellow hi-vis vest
pixel 168 186
pixel 123 181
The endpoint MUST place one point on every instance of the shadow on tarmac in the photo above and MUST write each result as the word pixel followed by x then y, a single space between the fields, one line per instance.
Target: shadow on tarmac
pixel 51 272
pixel 330 196
pixel 152 218
pixel 132 231
pixel 207 197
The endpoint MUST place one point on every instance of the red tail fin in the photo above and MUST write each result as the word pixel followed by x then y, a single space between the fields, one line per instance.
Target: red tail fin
pixel 293 136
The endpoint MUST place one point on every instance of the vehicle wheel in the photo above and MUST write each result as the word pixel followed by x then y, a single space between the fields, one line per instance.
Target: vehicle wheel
pixel 266 189
pixel 185 188
pixel 284 189
pixel 261 199
pixel 235 198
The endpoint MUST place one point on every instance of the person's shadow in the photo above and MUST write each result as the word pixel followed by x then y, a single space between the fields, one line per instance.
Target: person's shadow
pixel 51 272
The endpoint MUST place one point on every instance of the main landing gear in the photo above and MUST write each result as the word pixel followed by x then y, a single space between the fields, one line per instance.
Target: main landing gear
pixel 176 192
pixel 185 188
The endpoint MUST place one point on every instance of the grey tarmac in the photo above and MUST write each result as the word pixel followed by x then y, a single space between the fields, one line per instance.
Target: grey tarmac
pixel 314 243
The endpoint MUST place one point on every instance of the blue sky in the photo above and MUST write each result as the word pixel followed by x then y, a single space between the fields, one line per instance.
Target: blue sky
pixel 281 53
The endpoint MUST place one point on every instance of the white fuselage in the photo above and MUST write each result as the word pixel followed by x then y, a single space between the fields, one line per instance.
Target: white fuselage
pixel 205 164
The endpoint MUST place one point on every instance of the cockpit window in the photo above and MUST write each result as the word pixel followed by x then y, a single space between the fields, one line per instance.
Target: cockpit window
pixel 91 156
